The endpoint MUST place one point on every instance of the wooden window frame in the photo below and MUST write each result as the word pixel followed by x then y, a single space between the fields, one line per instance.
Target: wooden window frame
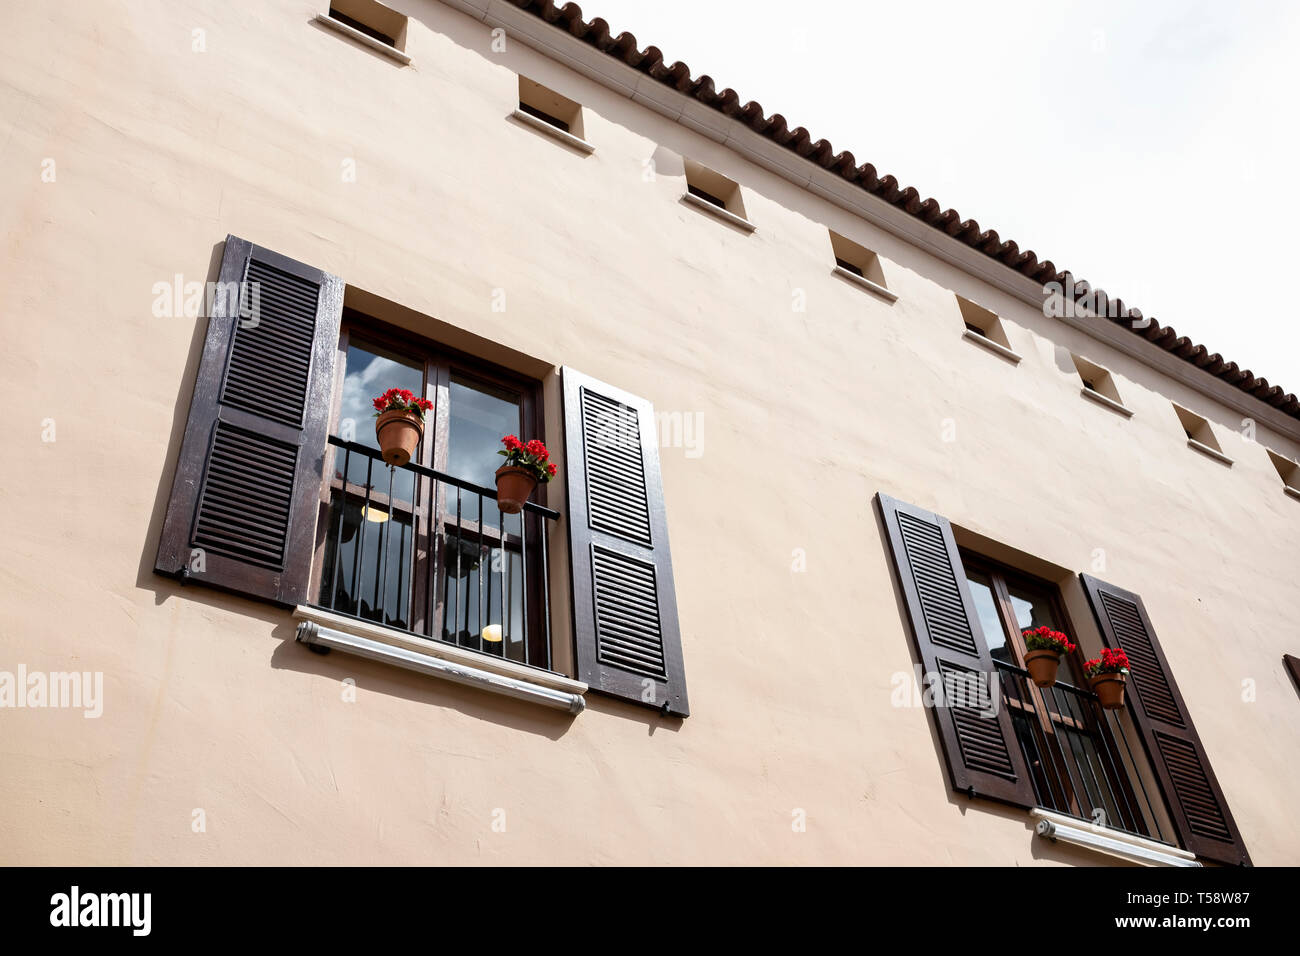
pixel 440 364
pixel 1001 578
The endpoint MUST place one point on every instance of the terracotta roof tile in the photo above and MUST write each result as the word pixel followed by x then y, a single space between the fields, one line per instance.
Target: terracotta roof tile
pixel 678 76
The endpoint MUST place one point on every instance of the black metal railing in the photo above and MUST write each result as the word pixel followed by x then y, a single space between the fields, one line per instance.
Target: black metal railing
pixel 414 548
pixel 1080 755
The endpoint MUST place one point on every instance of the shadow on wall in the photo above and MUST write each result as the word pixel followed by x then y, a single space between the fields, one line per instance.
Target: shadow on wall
pixel 375 677
pixel 145 577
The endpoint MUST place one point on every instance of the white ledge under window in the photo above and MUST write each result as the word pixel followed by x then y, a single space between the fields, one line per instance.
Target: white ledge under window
pixel 1291 490
pixel 730 217
pixel 1205 449
pixel 1058 827
pixel 866 283
pixel 994 347
pixel 568 139
pixel 1110 403
pixel 365 40
pixel 436 659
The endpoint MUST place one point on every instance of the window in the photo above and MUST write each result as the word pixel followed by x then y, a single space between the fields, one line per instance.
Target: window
pixel 715 193
pixel 1288 471
pixel 1099 385
pixel 983 327
pixel 860 265
pixel 370 23
pixel 421 549
pixel 551 113
pixel 1141 769
pixel 1073 753
pixel 280 494
pixel 1199 434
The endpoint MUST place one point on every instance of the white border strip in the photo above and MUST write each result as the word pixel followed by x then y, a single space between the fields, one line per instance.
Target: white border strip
pixel 400 640
pixel 728 217
pixel 1205 449
pixel 1058 827
pixel 866 283
pixel 311 633
pixel 354 34
pixel 568 139
pixel 1107 401
pixel 997 348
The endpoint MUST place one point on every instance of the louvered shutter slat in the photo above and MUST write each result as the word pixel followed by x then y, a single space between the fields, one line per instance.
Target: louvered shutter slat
pixel 980 750
pixel 627 636
pixel 247 485
pixel 1196 803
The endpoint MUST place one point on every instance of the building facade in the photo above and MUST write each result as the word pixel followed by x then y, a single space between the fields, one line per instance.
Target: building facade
pixel 823 451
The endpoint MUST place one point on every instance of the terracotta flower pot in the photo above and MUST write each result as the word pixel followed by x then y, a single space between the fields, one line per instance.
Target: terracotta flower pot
pixel 398 432
pixel 1109 689
pixel 514 485
pixel 1042 666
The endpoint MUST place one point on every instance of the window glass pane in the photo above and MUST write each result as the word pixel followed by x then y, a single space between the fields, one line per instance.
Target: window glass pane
pixel 1031 609
pixel 370 372
pixel 986 609
pixel 480 415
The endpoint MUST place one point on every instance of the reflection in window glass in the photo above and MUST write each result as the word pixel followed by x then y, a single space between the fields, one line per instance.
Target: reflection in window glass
pixel 479 416
pixel 371 371
pixel 367 565
pixel 476 577
pixel 1032 610
pixel 986 609
pixel 370 573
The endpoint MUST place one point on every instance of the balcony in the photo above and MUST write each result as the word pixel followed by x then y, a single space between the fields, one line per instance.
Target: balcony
pixel 431 555
pixel 1084 761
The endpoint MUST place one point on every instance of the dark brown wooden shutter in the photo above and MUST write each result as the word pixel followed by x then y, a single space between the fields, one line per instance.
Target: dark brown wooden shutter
pixel 1195 800
pixel 624 604
pixel 1292 664
pixel 242 513
pixel 981 749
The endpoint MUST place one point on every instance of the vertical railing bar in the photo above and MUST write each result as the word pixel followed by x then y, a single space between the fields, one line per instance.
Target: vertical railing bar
pixel 1046 753
pixel 1102 744
pixel 1024 750
pixel 1032 723
pixel 338 539
pixel 546 590
pixel 435 555
pixel 1137 772
pixel 455 632
pixel 411 583
pixel 523 569
pixel 1102 784
pixel 383 552
pixel 361 538
pixel 483 600
pixel 505 579
pixel 1056 735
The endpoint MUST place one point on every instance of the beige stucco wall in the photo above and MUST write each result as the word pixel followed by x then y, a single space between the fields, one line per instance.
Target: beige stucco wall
pixel 160 151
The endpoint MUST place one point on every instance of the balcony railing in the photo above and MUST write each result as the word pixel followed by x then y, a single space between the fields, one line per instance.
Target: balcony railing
pixel 1080 756
pixel 416 549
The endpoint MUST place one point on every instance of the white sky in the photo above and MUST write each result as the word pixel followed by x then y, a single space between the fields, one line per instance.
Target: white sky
pixel 1149 147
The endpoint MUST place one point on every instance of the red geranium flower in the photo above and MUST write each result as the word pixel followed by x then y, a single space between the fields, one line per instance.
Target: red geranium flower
pixel 531 455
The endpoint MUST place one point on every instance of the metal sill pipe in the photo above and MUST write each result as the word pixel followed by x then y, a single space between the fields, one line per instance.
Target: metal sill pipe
pixel 1133 849
pixel 311 633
